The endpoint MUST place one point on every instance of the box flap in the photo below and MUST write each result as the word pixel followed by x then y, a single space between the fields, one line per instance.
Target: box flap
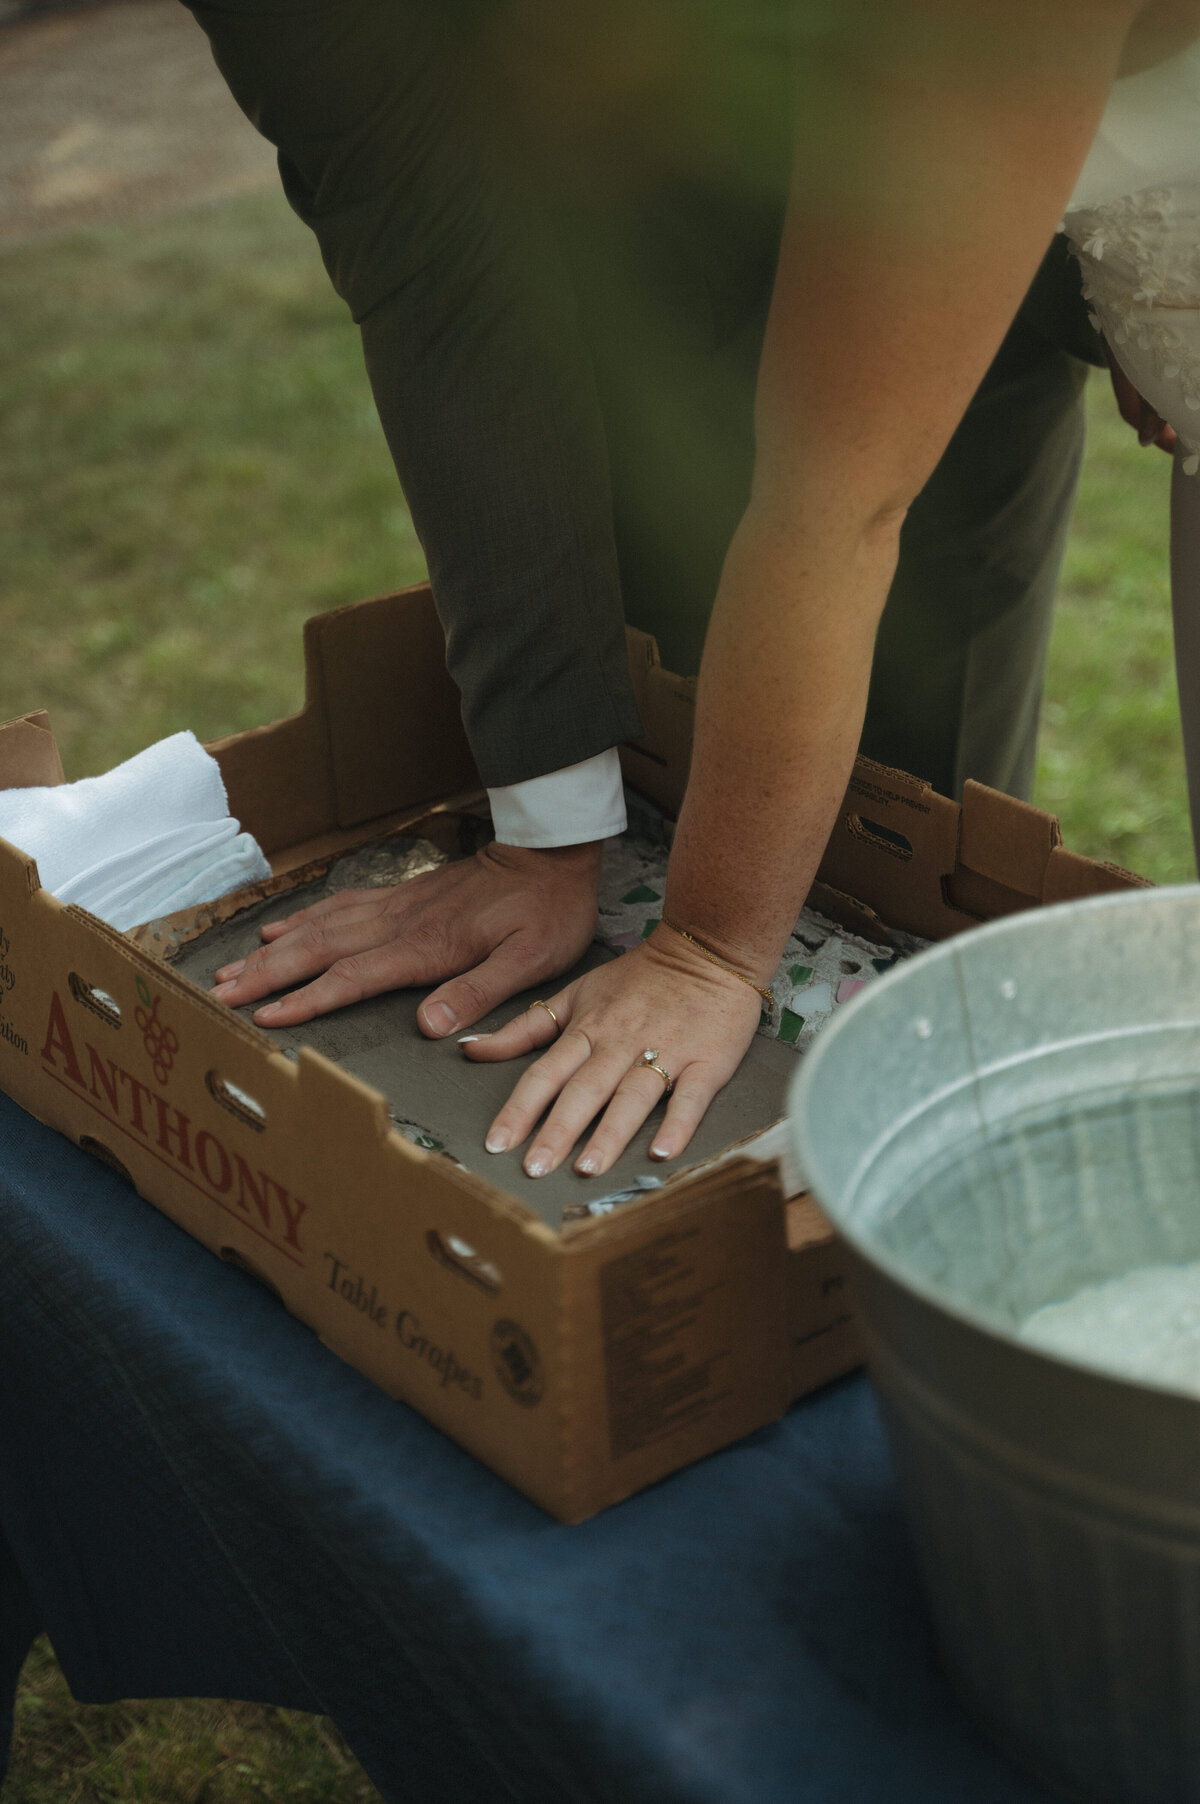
pixel 395 724
pixel 900 855
pixel 380 731
pixel 930 867
pixel 893 846
pixel 1008 841
pixel 28 755
pixel 657 764
pixel 1070 875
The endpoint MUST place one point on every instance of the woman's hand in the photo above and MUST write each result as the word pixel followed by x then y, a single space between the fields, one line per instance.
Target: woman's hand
pixel 663 996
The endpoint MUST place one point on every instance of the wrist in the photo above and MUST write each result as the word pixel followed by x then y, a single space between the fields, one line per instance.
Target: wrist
pixel 750 935
pixel 684 959
pixel 734 960
pixel 582 859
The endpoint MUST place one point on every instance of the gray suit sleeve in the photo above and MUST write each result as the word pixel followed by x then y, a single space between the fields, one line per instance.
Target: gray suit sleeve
pixel 479 373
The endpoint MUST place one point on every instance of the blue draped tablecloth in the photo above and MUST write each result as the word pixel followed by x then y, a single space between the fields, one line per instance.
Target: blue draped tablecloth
pixel 198 1499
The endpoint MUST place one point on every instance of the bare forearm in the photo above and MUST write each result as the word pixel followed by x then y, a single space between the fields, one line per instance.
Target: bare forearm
pixel 898 275
pixel 781 699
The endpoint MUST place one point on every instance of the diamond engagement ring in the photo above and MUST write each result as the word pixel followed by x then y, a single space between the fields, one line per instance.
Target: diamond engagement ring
pixel 649 1062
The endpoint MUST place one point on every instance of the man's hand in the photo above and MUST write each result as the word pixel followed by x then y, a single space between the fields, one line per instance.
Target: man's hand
pixel 493 924
pixel 1137 412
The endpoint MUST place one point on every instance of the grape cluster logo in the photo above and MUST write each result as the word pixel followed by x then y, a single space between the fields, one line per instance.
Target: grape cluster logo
pixel 517 1363
pixel 161 1042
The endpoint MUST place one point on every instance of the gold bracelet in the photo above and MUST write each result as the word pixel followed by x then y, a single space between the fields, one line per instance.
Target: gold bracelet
pixel 708 953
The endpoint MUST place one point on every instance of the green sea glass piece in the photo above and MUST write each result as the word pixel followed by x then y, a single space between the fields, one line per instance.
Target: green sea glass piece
pixel 789 1026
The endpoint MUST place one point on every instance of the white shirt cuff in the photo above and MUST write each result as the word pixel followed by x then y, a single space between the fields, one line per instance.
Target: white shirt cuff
pixel 564 808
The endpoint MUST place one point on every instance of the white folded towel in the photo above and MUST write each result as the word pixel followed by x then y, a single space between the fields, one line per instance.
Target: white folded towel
pixel 153 836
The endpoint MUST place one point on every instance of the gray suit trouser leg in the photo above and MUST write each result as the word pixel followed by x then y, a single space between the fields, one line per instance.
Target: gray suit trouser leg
pixel 482 383
pixel 960 657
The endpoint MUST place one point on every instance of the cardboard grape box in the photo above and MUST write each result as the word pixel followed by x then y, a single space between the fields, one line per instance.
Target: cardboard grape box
pixel 581 1359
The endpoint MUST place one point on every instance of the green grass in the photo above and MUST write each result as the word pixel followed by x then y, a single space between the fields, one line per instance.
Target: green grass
pixel 1111 764
pixel 189 467
pixel 171 1753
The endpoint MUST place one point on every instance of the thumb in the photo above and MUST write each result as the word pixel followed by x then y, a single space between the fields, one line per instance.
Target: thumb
pixel 462 1001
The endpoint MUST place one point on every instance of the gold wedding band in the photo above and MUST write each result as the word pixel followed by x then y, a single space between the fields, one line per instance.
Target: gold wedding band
pixel 540 1004
pixel 649 1062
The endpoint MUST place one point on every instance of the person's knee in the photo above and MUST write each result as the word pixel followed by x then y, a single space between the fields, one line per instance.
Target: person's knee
pixel 362 100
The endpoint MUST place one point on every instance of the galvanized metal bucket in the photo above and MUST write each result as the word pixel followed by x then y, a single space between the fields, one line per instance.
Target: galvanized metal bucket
pixel 1002 1121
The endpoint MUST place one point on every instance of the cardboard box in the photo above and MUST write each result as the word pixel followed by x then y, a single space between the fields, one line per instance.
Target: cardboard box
pixel 583 1363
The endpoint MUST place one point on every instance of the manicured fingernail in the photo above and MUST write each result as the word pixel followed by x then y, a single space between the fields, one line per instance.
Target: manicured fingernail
pixel 660 1152
pixel 497 1141
pixel 219 991
pixel 438 1017
pixel 588 1166
pixel 470 1039
pixel 537 1164
pixel 228 971
pixel 268 1009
